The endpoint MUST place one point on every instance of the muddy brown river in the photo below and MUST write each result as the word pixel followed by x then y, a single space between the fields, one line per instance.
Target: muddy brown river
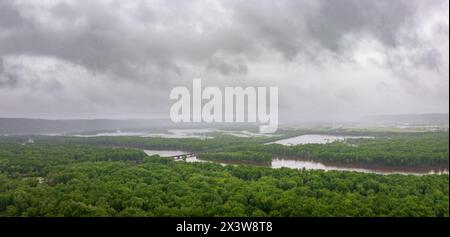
pixel 298 163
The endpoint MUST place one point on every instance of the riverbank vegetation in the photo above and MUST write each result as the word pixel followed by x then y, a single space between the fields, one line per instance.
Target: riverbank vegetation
pixel 407 150
pixel 76 180
pixel 410 149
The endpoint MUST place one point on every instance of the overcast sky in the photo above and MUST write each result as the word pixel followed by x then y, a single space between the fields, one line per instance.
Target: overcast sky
pixel 120 59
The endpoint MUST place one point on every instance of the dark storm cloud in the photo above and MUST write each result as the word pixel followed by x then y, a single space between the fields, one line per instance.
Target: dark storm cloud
pixel 9 15
pixel 164 42
pixel 104 38
pixel 382 19
pixel 291 26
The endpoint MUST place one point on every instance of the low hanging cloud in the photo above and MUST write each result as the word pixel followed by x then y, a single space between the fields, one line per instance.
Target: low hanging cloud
pixel 121 58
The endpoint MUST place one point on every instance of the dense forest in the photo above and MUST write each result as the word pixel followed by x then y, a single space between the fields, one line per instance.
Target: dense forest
pixel 386 148
pixel 86 180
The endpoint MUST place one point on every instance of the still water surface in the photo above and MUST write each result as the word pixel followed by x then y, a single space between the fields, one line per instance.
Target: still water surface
pixel 314 139
pixel 296 163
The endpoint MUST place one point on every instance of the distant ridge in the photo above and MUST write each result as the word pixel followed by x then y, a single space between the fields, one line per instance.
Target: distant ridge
pixel 418 119
pixel 25 126
pixel 29 126
pixel 14 126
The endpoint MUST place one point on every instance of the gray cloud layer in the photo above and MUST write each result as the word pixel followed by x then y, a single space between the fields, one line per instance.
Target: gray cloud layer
pixel 121 58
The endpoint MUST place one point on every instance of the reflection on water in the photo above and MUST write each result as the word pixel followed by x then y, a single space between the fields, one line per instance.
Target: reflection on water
pixel 247 134
pixel 117 133
pixel 304 164
pixel 171 133
pixel 313 139
pixel 204 133
pixel 172 154
pixel 199 133
pixel 184 133
pixel 164 153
